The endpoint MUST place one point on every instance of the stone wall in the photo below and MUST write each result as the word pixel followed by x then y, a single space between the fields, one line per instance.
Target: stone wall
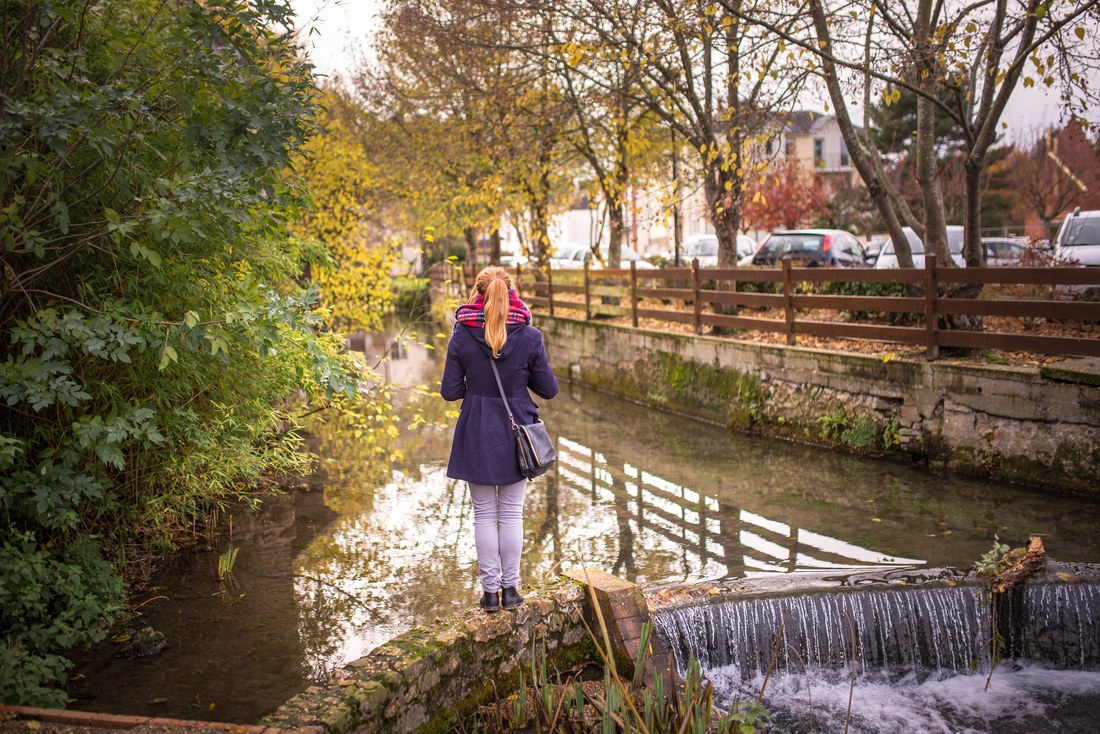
pixel 1039 427
pixel 432 674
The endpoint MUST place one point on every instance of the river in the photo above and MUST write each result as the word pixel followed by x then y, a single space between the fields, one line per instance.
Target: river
pixel 380 545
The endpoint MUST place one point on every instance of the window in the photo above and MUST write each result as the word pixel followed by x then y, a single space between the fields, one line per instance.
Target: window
pixel 845 161
pixel 819 151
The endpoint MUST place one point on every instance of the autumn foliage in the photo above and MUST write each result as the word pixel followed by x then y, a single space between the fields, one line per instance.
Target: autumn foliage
pixel 786 197
pixel 354 277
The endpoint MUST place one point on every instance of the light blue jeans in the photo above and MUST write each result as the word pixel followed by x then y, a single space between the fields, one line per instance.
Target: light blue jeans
pixel 498 532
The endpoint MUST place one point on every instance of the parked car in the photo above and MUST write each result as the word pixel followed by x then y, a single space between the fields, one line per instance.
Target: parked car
pixel 704 247
pixel 571 256
pixel 627 255
pixel 1079 238
pixel 873 248
pixel 888 259
pixel 812 247
pixel 511 261
pixel 1002 251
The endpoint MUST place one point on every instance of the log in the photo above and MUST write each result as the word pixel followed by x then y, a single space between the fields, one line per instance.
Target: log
pixel 1022 567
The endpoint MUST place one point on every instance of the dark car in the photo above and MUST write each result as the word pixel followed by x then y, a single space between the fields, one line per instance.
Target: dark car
pixel 812 248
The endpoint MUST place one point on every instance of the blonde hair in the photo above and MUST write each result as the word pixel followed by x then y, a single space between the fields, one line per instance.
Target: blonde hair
pixel 494 283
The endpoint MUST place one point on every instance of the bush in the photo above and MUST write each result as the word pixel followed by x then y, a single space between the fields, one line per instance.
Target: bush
pixel 881 290
pixel 50 602
pixel 148 360
pixel 411 294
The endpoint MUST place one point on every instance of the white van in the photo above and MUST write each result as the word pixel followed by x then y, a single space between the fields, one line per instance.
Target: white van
pixel 1079 238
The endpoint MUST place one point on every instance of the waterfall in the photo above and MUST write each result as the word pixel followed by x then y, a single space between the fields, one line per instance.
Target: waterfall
pixel 926 632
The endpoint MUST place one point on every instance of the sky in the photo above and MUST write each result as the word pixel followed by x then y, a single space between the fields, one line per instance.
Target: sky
pixel 337 32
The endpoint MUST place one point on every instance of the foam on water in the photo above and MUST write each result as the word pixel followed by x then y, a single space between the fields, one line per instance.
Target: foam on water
pixel 1022 697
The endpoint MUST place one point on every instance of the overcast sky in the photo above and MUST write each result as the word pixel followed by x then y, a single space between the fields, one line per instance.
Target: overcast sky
pixel 342 30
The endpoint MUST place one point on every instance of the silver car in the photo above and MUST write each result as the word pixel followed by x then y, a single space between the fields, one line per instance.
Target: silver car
pixel 1079 238
pixel 888 259
pixel 704 247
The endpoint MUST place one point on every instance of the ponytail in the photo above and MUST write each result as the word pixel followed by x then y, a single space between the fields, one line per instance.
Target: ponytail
pixel 496 315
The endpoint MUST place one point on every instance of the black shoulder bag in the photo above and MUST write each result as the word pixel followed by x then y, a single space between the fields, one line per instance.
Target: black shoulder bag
pixel 534 449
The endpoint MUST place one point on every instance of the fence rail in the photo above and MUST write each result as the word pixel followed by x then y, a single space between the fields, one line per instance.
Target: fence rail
pixel 654 295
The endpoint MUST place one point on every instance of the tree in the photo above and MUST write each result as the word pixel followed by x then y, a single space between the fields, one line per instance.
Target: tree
pixel 961 61
pixel 715 78
pixel 786 197
pixel 1057 172
pixel 355 281
pixel 613 130
pixel 451 66
pixel 154 330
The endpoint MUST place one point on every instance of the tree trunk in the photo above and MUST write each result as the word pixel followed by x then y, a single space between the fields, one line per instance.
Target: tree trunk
pixel 934 235
pixel 470 233
pixel 494 245
pixel 973 251
pixel 616 227
pixel 862 155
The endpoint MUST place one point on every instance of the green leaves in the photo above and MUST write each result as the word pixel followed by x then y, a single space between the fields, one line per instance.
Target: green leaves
pixel 152 369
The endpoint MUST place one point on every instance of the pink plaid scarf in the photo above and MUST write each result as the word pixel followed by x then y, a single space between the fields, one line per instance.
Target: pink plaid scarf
pixel 473 313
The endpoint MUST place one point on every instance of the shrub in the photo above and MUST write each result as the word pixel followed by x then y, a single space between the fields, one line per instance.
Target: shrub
pixel 154 328
pixel 51 601
pixel 411 294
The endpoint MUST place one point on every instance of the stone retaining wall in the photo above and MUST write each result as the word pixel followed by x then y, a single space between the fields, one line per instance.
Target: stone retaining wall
pixel 1025 425
pixel 425 678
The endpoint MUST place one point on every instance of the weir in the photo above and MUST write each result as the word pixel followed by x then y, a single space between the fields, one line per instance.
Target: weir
pixel 892 632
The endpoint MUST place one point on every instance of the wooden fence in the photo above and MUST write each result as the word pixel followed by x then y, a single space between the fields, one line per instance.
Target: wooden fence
pixel 656 294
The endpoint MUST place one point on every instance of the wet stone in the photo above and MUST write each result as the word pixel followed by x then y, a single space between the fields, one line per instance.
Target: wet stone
pixel 372 696
pixel 142 643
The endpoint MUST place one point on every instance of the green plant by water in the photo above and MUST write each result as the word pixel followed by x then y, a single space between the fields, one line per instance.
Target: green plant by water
pixel 155 323
pixel 553 704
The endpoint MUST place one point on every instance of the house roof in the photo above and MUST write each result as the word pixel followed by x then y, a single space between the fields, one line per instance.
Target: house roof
pixel 806 122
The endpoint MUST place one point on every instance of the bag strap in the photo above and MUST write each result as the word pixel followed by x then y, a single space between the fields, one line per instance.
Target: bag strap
pixel 496 374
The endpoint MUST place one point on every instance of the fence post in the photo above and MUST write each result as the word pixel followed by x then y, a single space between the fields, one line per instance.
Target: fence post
pixel 550 287
pixel 695 286
pixel 587 296
pixel 634 292
pixel 931 306
pixel 788 300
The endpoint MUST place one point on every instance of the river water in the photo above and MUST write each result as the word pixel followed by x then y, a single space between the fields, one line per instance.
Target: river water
pixel 384 540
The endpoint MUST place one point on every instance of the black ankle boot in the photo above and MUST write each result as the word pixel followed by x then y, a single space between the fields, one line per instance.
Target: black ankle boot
pixel 510 598
pixel 490 601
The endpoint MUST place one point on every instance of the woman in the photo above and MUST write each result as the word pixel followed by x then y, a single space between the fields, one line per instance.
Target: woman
pixel 494 324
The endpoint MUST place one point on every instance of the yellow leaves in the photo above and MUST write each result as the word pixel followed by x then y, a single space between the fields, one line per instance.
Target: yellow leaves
pixel 1079 31
pixel 429 234
pixel 889 357
pixel 890 96
pixel 758 198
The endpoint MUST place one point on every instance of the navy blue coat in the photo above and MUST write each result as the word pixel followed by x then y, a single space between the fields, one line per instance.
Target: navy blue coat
pixel 484 447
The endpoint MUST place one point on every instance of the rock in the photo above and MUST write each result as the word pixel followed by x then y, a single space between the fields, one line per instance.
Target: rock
pixel 141 643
